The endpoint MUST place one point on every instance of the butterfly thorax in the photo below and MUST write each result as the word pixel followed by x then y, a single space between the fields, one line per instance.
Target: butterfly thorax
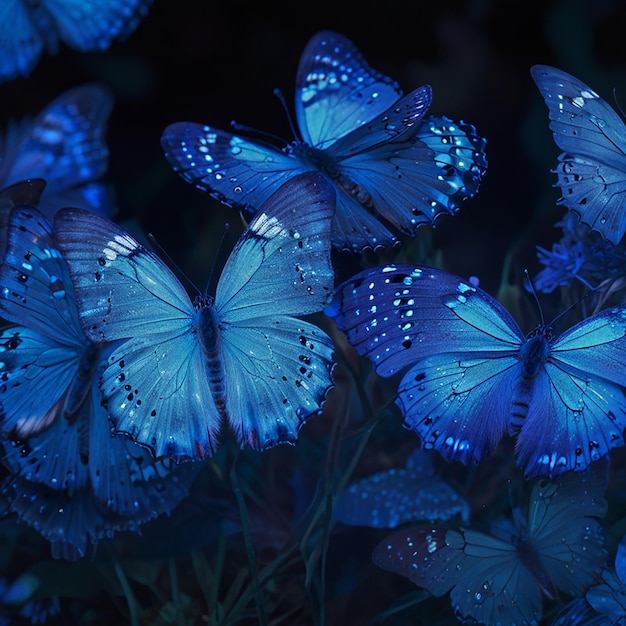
pixel 328 165
pixel 207 328
pixel 320 159
pixel 534 352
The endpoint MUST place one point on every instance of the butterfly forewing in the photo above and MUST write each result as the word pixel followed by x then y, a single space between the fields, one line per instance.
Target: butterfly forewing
pixel 397 314
pixel 238 172
pixel 291 232
pixel 337 91
pixel 592 169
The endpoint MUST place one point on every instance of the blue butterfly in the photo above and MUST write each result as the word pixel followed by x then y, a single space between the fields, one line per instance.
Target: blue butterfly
pixel 240 356
pixel 27 28
pixel 592 168
pixel 473 377
pixel 55 432
pixel 65 146
pixel 396 496
pixel 499 577
pixel 390 167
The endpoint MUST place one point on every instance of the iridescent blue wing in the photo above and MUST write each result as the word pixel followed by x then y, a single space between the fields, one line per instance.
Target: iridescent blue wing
pixel 578 408
pixel 496 578
pixel 21 44
pixel 36 373
pixel 592 168
pixel 460 343
pixel 88 26
pixel 65 145
pixel 396 496
pixel 287 362
pixel 337 91
pixel 42 360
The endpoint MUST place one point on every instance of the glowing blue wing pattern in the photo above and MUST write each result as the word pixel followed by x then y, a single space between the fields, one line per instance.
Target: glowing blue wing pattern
pixel 186 367
pixel 499 578
pixel 592 167
pixel 27 28
pixel 396 496
pixel 64 145
pixel 472 377
pixel 392 170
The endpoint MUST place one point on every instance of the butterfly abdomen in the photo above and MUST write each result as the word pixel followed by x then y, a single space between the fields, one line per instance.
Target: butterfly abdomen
pixel 533 354
pixel 210 340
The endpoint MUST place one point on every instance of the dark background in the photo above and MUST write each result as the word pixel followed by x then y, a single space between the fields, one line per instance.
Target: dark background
pixel 214 62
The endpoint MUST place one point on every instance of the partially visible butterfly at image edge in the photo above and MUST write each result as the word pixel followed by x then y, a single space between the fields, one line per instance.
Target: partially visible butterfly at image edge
pixel 28 28
pixel 499 577
pixel 241 357
pixel 65 145
pixel 592 167
pixel 470 376
pixel 56 435
pixel 392 168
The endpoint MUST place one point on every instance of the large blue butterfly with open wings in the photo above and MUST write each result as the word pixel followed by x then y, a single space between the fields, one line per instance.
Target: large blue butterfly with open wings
pixel 592 167
pixel 56 436
pixel 64 145
pixel 471 376
pixel 392 169
pixel 28 28
pixel 240 357
pixel 499 577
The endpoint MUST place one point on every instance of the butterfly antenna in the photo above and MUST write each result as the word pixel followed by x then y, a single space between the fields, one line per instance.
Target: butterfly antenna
pixel 281 98
pixel 219 248
pixel 531 288
pixel 162 252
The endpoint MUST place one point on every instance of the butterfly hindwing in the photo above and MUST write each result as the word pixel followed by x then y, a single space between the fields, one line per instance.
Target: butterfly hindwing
pixel 592 168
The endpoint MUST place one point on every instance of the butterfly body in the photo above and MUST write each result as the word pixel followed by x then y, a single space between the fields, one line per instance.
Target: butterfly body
pixel 471 376
pixel 391 168
pixel 592 167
